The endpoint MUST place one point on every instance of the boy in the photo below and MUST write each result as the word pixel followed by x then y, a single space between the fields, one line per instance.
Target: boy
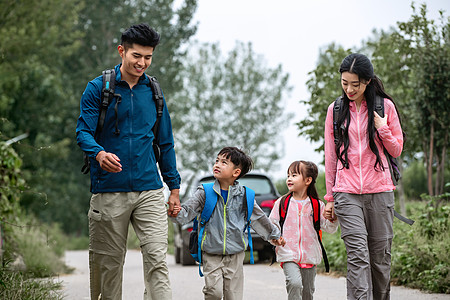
pixel 224 240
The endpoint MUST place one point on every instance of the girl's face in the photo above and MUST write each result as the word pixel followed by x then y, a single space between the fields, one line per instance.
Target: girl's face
pixel 353 87
pixel 295 182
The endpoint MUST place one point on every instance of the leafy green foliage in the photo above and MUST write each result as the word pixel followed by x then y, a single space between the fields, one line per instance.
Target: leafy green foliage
pixel 324 86
pixel 420 257
pixel 234 100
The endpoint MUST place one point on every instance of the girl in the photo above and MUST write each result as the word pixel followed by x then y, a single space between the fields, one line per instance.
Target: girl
pixel 302 251
pixel 358 180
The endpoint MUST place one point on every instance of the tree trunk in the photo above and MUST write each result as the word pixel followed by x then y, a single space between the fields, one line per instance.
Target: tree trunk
pixel 443 157
pixel 430 162
pixel 438 174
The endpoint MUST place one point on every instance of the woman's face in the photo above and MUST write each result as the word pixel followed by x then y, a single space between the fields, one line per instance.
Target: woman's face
pixel 353 87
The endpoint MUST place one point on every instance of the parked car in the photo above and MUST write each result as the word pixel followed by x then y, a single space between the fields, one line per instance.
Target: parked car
pixel 266 195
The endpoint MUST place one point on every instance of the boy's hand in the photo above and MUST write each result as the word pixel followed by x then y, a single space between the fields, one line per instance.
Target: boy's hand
pixel 174 200
pixel 176 210
pixel 280 242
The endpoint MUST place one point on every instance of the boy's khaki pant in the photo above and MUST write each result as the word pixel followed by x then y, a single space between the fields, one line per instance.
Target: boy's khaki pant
pixel 224 276
pixel 367 230
pixel 109 218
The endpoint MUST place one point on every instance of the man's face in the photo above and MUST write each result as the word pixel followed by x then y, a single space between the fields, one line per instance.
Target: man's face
pixel 135 60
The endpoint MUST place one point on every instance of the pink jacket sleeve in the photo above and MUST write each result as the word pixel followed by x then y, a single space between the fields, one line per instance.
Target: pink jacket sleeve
pixel 391 134
pixel 330 155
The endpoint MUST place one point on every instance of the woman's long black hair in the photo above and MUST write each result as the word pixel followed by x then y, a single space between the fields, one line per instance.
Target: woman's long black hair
pixel 360 65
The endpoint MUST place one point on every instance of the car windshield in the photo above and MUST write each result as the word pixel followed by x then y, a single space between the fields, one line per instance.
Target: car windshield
pixel 259 184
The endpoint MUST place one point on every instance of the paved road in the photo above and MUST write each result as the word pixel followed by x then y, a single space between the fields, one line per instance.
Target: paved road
pixel 261 282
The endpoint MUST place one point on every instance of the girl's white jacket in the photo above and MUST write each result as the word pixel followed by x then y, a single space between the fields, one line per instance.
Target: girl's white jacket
pixel 302 244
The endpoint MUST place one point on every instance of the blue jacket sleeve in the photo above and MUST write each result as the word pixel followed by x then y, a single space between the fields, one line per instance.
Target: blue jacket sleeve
pixel 87 121
pixel 167 164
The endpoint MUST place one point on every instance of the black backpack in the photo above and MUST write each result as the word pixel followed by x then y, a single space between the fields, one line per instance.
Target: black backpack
pixel 108 94
pixel 392 161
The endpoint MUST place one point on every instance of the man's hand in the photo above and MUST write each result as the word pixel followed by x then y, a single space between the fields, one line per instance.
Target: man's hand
pixel 174 203
pixel 329 213
pixel 279 242
pixel 109 162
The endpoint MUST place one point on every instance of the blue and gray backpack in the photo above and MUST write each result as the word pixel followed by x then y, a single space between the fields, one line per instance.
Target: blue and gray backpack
pixel 195 239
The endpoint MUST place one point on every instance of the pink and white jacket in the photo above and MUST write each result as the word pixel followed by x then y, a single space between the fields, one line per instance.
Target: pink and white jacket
pixel 361 177
pixel 302 245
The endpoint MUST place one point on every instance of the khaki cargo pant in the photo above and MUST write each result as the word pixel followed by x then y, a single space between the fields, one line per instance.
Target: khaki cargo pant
pixel 367 230
pixel 224 276
pixel 109 217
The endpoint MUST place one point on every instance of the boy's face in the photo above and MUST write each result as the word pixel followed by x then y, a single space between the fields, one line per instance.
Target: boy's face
pixel 224 169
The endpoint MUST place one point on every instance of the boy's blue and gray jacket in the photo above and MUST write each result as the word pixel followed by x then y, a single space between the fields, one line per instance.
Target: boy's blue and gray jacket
pixel 225 231
pixel 133 145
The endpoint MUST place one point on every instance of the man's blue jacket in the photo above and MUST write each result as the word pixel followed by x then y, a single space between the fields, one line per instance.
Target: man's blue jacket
pixel 136 115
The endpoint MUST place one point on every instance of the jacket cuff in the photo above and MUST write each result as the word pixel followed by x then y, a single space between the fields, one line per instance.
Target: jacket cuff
pixel 328 198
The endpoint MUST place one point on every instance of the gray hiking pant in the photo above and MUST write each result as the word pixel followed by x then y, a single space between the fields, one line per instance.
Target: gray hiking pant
pixel 299 281
pixel 109 217
pixel 366 227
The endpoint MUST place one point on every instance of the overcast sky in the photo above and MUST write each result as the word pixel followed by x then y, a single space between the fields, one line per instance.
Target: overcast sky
pixel 291 32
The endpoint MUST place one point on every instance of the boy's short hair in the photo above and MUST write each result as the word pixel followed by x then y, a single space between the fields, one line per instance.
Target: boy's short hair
pixel 140 34
pixel 239 158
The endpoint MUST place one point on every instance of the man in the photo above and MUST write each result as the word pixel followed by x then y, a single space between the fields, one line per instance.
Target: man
pixel 125 181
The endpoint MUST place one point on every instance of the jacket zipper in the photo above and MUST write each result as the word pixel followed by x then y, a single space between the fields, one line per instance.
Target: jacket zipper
pixel 130 143
pixel 301 230
pixel 360 155
pixel 225 220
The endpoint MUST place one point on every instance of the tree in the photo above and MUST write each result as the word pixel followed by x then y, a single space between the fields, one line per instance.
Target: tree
pixel 428 46
pixel 228 101
pixel 324 86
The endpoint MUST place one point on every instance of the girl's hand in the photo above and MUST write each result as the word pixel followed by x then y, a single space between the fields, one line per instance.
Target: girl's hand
pixel 329 213
pixel 280 242
pixel 379 121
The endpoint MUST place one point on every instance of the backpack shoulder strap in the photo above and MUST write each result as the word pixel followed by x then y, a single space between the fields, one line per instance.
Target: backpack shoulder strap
pixel 283 209
pixel 379 105
pixel 210 203
pixel 316 220
pixel 108 88
pixel 159 102
pixel 336 111
pixel 316 213
pixel 158 98
pixel 249 202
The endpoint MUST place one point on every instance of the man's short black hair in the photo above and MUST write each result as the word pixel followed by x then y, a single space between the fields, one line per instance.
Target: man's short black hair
pixel 239 158
pixel 140 34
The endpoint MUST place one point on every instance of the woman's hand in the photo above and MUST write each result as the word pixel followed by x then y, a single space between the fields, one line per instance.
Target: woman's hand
pixel 379 121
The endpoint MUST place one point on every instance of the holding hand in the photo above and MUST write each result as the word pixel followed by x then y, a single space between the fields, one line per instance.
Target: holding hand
pixel 280 242
pixel 174 203
pixel 329 213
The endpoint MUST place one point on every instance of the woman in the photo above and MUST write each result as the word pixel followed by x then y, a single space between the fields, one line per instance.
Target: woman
pixel 358 181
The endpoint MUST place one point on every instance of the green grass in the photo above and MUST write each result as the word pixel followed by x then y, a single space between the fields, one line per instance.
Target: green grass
pixel 18 286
